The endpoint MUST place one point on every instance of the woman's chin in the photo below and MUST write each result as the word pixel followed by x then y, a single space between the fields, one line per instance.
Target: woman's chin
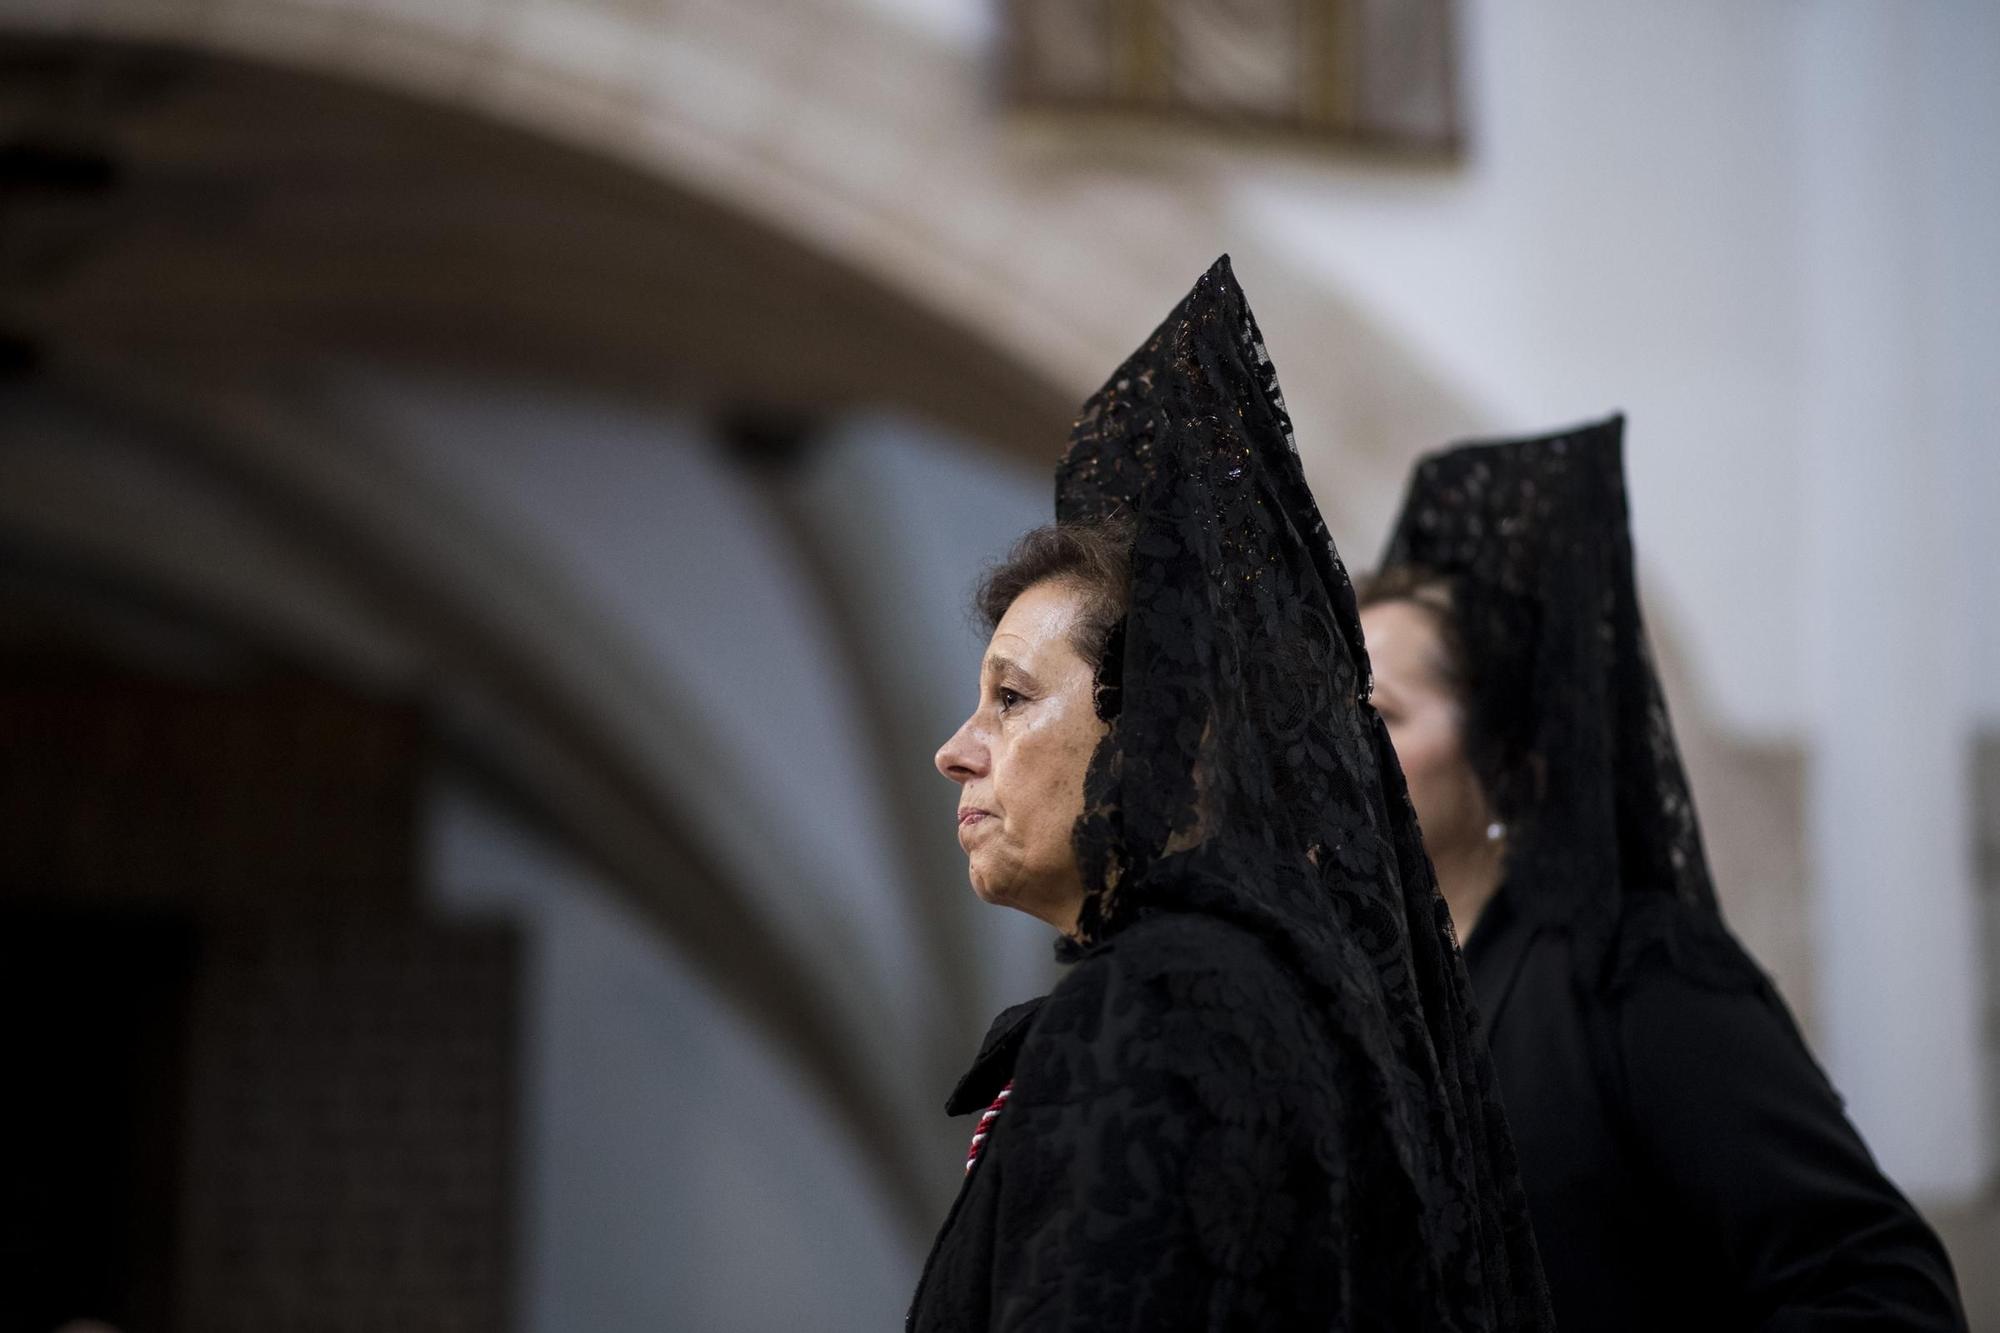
pixel 988 888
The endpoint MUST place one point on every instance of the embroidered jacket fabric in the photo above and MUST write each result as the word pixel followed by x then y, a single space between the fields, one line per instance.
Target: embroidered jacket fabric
pixel 1533 536
pixel 1257 1099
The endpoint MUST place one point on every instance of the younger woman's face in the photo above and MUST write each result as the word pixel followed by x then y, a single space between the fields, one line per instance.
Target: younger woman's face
pixel 1019 760
pixel 1426 724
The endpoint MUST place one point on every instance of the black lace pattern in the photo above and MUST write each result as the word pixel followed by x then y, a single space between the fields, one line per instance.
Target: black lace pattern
pixel 1533 536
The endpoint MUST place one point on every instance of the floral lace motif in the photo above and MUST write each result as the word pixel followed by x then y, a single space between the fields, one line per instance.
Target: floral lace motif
pixel 1534 537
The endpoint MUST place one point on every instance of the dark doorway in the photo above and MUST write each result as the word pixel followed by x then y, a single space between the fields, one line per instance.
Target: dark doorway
pixel 92 1025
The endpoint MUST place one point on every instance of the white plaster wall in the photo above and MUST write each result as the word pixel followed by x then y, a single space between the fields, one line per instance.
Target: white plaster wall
pixel 1619 238
pixel 1890 599
pixel 1957 125
pixel 634 507
pixel 637 513
pixel 915 518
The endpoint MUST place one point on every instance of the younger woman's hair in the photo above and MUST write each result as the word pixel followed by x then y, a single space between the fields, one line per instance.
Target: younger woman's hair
pixel 1489 721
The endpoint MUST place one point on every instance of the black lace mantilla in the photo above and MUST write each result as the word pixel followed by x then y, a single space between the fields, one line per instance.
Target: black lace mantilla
pixel 1533 535
pixel 1257 1099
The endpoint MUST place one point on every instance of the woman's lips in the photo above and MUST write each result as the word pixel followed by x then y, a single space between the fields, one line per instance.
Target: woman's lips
pixel 971 816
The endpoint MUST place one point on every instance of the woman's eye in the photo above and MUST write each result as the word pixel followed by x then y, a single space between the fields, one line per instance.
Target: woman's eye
pixel 1008 699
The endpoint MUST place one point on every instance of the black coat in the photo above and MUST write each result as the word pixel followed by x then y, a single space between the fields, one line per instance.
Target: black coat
pixel 1688 1166
pixel 1174 1155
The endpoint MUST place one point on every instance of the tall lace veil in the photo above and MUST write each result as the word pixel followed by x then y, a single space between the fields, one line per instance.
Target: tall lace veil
pixel 1533 538
pixel 1246 775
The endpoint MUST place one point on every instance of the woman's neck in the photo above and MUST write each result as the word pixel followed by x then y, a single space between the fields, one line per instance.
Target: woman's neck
pixel 1468 877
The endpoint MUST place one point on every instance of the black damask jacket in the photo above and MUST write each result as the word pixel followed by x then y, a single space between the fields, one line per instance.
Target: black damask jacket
pixel 1174 1155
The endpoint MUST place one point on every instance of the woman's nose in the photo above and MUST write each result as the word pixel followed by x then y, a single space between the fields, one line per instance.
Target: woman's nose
pixel 961 758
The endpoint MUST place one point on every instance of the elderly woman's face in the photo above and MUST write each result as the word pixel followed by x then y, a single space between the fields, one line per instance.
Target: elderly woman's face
pixel 1019 759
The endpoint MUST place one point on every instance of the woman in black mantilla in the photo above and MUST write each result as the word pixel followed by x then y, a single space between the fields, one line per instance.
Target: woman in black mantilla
pixel 1257 1099
pixel 1687 1164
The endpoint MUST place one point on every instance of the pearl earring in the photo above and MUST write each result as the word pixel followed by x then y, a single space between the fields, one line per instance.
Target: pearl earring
pixel 1495 831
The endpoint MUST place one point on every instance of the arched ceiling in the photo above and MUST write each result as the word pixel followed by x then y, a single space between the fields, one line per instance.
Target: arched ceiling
pixel 820 186
pixel 208 209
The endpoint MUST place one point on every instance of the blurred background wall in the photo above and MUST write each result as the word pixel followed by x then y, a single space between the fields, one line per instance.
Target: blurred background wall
pixel 488 490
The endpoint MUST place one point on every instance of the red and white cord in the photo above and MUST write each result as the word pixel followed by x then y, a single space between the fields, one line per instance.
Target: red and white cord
pixel 985 1126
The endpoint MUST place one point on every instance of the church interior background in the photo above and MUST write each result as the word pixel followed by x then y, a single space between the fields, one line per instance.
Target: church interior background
pixel 488 496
